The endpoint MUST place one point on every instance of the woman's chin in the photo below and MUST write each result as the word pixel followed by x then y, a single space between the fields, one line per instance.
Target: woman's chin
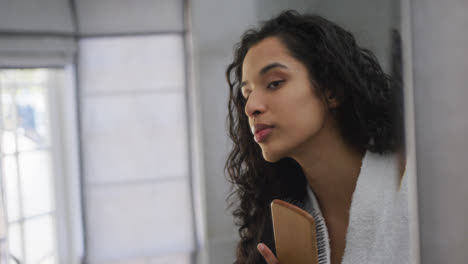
pixel 271 156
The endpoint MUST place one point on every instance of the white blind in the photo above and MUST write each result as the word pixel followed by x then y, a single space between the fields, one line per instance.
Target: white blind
pixel 36 16
pixel 135 149
pixel 36 33
pixel 36 51
pixel 126 17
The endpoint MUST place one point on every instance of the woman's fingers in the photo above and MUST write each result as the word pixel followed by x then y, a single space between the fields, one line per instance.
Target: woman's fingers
pixel 267 254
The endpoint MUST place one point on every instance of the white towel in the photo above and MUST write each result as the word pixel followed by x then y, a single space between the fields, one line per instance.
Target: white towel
pixel 378 230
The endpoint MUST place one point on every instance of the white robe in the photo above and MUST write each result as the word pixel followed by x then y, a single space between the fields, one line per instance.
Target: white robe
pixel 378 230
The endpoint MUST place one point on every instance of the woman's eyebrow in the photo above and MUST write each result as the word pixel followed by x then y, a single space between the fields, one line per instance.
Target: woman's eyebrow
pixel 266 69
pixel 272 66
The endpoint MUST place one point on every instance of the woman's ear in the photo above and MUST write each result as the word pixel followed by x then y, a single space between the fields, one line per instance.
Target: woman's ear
pixel 332 100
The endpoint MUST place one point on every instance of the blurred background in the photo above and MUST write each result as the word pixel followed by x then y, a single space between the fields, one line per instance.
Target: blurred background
pixel 113 132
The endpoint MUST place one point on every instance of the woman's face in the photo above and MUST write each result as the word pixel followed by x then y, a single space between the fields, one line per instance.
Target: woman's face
pixel 280 95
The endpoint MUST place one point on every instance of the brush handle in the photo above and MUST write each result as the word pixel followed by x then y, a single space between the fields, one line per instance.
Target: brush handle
pixel 295 235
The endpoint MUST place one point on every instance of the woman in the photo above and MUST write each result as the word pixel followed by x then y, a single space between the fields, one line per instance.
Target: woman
pixel 310 113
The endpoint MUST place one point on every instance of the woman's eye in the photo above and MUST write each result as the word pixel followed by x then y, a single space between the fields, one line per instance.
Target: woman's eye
pixel 274 84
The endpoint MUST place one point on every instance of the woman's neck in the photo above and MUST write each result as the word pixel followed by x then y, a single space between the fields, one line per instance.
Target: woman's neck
pixel 331 167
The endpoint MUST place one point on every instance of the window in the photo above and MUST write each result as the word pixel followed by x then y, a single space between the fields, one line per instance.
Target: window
pixel 27 165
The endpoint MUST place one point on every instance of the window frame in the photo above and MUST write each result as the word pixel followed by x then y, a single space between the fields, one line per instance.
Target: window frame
pixel 64 156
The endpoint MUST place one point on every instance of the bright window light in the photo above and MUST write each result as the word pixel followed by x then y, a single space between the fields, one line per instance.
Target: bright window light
pixel 26 159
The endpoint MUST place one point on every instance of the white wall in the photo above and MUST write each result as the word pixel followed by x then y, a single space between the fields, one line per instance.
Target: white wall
pixel 369 20
pixel 440 67
pixel 213 38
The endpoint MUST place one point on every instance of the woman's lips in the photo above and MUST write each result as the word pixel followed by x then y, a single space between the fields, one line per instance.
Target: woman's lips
pixel 262 134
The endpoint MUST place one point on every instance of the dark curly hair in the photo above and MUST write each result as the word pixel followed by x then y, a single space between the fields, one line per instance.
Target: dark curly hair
pixel 369 117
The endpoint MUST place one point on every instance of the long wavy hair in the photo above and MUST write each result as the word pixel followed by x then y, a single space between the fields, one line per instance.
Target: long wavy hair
pixel 369 116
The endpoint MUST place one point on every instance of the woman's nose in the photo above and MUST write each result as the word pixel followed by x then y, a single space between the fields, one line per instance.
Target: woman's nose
pixel 255 105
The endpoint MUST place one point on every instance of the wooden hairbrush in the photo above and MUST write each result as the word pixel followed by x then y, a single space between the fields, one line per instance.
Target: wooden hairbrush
pixel 295 234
